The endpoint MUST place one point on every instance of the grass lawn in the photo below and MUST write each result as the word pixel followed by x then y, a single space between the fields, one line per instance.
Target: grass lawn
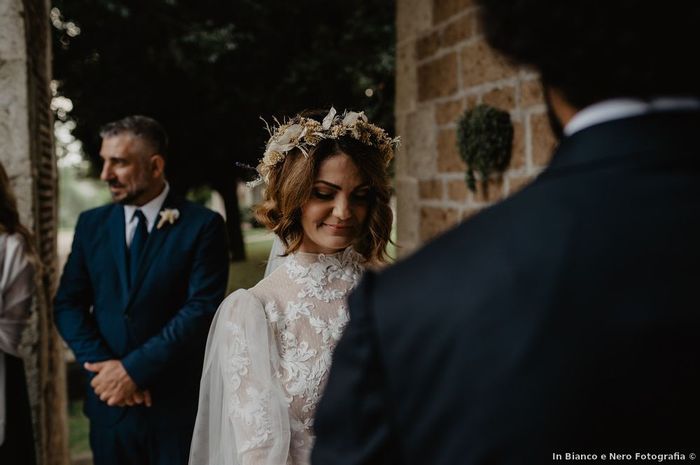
pixel 244 275
pixel 78 428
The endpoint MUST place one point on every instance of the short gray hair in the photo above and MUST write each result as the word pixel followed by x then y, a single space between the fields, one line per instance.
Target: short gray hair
pixel 147 128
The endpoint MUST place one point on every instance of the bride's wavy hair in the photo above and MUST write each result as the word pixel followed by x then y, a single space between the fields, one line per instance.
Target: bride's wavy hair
pixel 290 185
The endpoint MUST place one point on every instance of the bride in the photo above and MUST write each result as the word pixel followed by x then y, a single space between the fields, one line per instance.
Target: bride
pixel 269 348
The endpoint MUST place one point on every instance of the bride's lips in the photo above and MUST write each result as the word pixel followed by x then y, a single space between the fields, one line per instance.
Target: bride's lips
pixel 339 230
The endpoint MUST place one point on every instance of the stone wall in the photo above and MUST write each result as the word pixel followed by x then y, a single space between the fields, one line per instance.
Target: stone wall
pixel 444 67
pixel 26 150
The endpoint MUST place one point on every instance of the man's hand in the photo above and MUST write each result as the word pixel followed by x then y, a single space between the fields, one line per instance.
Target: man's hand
pixel 114 386
pixel 139 397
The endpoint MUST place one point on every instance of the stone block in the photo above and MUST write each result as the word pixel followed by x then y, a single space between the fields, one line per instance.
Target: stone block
pixel 502 98
pixel 489 192
pixel 470 212
pixel 406 79
pixel 401 155
pixel 457 190
pixel 470 101
pixel 516 184
pixel 14 124
pixel 407 213
pixel 427 45
pixel 434 221
pixel 430 189
pixel 438 77
pixel 12 32
pixel 543 141
pixel 531 93
pixel 449 112
pixel 445 9
pixel 448 159
pixel 413 17
pixel 419 143
pixel 517 159
pixel 480 64
pixel 458 30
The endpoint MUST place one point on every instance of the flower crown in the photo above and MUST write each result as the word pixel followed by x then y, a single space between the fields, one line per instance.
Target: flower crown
pixel 305 133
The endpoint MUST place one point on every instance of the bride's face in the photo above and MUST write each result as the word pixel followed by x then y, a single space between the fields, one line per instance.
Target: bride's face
pixel 334 215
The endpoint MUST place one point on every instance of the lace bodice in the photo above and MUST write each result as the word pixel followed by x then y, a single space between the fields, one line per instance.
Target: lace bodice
pixel 273 344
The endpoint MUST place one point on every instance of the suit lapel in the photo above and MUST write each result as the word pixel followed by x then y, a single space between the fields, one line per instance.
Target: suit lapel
pixel 156 238
pixel 116 228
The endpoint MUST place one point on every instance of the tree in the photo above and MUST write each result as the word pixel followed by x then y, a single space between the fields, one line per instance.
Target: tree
pixel 209 69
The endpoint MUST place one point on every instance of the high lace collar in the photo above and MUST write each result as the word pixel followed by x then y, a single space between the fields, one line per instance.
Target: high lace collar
pixel 317 271
pixel 345 256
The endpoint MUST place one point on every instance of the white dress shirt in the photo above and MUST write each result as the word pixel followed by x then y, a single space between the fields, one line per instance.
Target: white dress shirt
pixel 619 108
pixel 150 211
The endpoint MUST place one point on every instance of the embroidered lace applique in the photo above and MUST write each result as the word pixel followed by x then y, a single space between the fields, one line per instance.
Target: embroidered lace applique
pixel 333 328
pixel 316 277
pixel 255 415
pixel 237 360
pixel 306 317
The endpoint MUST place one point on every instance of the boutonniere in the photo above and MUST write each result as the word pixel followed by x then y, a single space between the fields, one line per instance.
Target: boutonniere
pixel 168 215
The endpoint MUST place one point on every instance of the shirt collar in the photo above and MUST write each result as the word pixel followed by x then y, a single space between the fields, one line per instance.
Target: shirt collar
pixel 613 109
pixel 150 209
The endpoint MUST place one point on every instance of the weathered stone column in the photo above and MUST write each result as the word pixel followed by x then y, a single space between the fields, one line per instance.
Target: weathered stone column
pixel 26 150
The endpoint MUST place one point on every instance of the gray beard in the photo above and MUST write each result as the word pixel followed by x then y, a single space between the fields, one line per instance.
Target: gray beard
pixel 129 199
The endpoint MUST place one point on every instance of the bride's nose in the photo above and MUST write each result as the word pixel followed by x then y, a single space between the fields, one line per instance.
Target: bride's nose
pixel 341 208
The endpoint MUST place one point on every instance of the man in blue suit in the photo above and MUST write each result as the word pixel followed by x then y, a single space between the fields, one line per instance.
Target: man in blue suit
pixel 138 292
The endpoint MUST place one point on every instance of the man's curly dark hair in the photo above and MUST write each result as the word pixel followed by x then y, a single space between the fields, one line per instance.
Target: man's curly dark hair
pixel 592 51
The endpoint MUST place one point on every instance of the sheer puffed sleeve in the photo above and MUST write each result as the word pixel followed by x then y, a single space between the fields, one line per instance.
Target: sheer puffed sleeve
pixel 243 418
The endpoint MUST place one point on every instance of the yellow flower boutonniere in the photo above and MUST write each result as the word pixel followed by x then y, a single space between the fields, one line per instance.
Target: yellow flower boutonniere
pixel 168 215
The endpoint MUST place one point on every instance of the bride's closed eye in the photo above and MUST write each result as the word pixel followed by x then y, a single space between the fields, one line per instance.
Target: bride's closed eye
pixel 323 194
pixel 361 195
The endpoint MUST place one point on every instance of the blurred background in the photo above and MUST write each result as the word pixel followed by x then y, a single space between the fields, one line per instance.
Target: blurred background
pixel 209 71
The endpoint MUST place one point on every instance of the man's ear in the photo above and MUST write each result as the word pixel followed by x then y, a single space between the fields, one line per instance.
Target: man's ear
pixel 157 165
pixel 561 107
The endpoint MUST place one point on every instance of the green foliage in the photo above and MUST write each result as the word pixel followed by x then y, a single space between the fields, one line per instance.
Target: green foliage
pixel 200 195
pixel 485 142
pixel 79 427
pixel 209 69
pixel 246 274
pixel 77 193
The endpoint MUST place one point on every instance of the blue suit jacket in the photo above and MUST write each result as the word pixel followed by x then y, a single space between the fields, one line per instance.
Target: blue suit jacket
pixel 158 328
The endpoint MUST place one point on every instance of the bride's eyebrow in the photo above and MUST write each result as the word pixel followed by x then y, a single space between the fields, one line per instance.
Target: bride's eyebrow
pixel 336 187
pixel 329 184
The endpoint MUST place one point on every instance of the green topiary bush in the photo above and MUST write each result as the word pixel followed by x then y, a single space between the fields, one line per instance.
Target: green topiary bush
pixel 485 142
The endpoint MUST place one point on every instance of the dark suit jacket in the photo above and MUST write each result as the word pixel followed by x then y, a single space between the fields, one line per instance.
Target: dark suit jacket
pixel 564 319
pixel 18 444
pixel 158 328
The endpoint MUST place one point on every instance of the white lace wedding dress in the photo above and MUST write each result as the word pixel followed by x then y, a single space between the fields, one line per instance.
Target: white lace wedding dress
pixel 267 359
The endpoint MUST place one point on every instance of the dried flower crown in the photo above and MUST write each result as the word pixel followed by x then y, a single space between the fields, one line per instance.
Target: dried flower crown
pixel 305 133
